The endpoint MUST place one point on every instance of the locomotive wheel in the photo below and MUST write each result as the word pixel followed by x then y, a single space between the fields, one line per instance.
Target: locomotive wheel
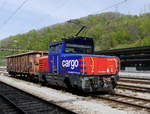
pixel 44 81
pixel 68 84
pixel 114 84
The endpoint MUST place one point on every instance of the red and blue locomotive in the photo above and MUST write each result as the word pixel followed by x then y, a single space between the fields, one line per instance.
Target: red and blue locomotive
pixel 71 63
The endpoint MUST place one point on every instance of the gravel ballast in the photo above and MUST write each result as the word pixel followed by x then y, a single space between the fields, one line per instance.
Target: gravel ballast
pixel 75 103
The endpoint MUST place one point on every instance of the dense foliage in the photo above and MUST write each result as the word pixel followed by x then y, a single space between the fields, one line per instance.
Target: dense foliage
pixel 109 31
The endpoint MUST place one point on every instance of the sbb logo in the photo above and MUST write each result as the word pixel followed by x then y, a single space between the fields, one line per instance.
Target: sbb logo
pixel 70 63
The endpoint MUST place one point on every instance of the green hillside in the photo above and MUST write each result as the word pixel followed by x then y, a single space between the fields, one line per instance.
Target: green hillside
pixel 109 31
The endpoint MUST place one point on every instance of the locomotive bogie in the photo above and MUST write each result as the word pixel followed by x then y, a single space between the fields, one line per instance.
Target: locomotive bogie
pixel 84 83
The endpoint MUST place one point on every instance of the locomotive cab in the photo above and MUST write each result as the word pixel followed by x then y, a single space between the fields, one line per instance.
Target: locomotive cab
pixel 79 45
pixel 75 45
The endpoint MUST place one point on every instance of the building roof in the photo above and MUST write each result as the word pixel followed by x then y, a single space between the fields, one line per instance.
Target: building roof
pixel 126 51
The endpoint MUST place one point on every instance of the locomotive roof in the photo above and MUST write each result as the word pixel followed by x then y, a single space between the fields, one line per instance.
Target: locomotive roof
pixel 78 38
pixel 74 39
pixel 28 53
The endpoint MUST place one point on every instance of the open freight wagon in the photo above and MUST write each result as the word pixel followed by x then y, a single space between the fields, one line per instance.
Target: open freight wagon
pixel 25 63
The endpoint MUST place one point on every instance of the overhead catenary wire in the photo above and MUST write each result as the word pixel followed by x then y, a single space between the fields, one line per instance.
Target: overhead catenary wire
pixel 114 5
pixel 13 14
pixel 59 6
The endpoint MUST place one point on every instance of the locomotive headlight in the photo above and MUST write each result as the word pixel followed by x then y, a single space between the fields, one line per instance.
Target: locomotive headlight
pixel 107 69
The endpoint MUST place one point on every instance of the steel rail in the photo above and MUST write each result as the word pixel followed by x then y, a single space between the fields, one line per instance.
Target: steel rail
pixel 115 98
pixel 7 99
pixel 50 104
pixel 134 88
pixel 136 78
pixel 135 81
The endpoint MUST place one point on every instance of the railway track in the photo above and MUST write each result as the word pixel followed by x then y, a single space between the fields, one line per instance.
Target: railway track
pixel 137 80
pixel 3 71
pixel 128 100
pixel 2 68
pixel 16 101
pixel 134 88
pixel 124 83
pixel 23 103
pixel 7 108
pixel 120 86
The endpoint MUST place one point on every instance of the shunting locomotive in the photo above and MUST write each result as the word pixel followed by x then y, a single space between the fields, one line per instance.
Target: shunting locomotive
pixel 71 63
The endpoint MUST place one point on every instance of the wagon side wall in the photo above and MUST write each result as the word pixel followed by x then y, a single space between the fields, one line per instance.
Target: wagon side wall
pixel 24 64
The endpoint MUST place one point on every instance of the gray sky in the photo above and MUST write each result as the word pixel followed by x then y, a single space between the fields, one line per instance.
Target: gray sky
pixel 36 14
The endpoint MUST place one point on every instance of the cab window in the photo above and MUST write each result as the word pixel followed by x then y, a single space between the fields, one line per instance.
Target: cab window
pixel 77 48
pixel 55 48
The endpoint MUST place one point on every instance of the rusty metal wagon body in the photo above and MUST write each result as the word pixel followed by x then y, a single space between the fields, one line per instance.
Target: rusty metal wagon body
pixel 25 63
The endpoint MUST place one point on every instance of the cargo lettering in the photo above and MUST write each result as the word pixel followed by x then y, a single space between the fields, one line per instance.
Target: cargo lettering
pixel 70 63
